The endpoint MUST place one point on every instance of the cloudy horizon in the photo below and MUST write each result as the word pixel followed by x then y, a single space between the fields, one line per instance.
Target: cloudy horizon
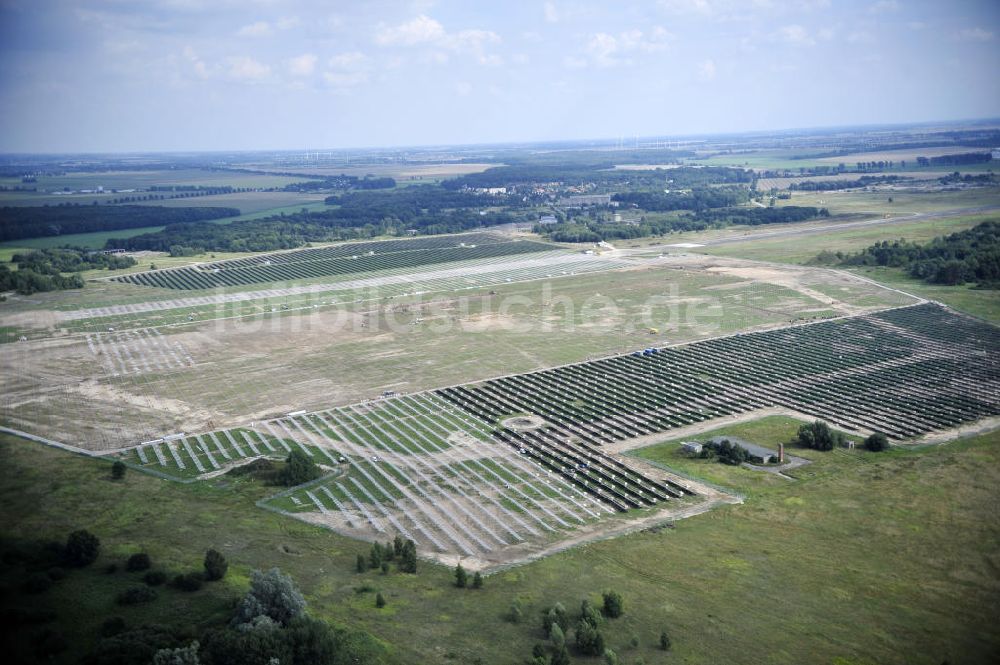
pixel 185 75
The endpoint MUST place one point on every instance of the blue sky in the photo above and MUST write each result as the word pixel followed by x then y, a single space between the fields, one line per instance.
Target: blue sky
pixel 135 75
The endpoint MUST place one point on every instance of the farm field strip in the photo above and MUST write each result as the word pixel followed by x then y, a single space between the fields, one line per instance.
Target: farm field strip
pixel 904 372
pixel 470 275
pixel 283 268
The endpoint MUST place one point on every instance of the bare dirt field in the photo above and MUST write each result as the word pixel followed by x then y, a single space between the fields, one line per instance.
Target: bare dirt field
pixel 104 390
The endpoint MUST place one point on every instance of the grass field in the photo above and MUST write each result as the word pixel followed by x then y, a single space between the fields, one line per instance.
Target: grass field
pixel 804 571
pixel 794 159
pixel 803 249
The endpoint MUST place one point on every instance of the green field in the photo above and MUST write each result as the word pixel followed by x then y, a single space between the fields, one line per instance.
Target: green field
pixel 803 249
pixel 803 571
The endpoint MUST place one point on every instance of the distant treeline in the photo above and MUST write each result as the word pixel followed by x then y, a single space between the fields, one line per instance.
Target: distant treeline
pixel 956 160
pixel 700 198
pixel 45 221
pixel 833 185
pixel 583 230
pixel 295 230
pixel 966 256
pixel 342 182
pixel 601 175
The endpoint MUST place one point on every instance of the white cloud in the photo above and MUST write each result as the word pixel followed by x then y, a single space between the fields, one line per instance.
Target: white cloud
pixel 607 50
pixel 706 70
pixel 551 13
pixel 860 37
pixel 795 34
pixel 420 30
pixel 258 29
pixel 288 22
pixel 975 35
pixel 425 31
pixel 245 68
pixel 302 65
pixel 346 70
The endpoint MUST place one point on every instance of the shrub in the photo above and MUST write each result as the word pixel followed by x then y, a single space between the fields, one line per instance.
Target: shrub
pixel 361 564
pixel 56 573
pixel 49 642
pixel 82 548
pixel 118 470
pixel 818 436
pixel 37 583
pixel 613 606
pixel 180 656
pixel 135 595
pixel 188 581
pixel 138 562
pixel 379 600
pixel 877 442
pixel 112 626
pixel 515 613
pixel 215 565
pixel 557 636
pixel 477 581
pixel 385 567
pixel 155 578
pixel 664 641
pixel 111 569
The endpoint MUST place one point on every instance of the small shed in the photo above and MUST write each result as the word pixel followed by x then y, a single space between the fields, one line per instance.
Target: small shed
pixel 691 447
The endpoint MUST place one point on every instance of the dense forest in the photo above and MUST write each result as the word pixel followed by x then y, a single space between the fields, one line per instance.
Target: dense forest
pixel 833 185
pixel 43 221
pixel 956 160
pixel 602 176
pixel 295 230
pixel 42 270
pixel 971 256
pixel 585 230
pixel 697 199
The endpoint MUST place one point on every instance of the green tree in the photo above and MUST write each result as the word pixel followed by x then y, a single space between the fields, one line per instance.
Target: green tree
pixel 82 548
pixel 408 558
pixel 461 577
pixel 610 657
pixel 613 606
pixel 877 442
pixel 118 470
pixel 664 641
pixel 560 657
pixel 385 567
pixel 299 468
pixel 590 614
pixel 272 595
pixel 477 580
pixel 137 562
pixel 557 637
pixel 515 613
pixel 375 556
pixel 379 600
pixel 215 565
pixel 818 436
pixel 362 563
pixel 180 656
